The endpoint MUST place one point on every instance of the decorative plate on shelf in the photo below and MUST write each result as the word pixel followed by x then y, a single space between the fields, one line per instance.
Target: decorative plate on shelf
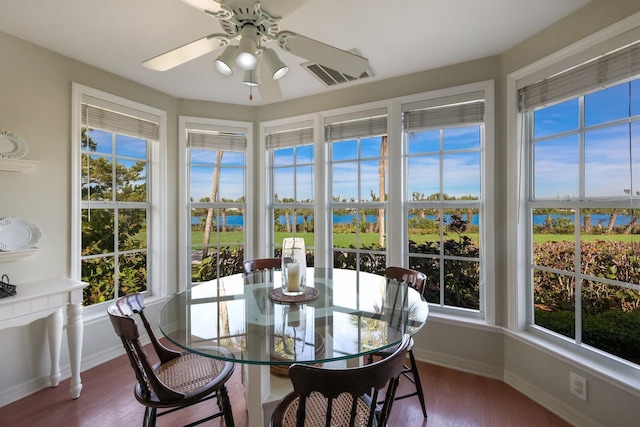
pixel 17 234
pixel 11 145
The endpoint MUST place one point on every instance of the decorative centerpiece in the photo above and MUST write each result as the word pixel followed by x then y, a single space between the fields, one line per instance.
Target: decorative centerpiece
pixel 294 266
pixel 294 287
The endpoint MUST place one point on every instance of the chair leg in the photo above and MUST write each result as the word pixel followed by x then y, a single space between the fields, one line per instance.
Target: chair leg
pixel 224 403
pixel 416 378
pixel 150 415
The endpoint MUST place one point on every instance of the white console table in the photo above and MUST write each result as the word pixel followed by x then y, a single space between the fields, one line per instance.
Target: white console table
pixel 47 298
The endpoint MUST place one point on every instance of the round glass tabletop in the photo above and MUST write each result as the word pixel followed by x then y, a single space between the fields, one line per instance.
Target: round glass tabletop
pixel 354 313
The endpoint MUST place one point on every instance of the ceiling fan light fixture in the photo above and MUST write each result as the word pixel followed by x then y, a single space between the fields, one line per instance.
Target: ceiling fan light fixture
pixel 277 68
pixel 224 61
pixel 251 78
pixel 247 47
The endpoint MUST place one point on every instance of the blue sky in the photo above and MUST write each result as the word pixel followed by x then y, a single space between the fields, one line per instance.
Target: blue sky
pixel 607 152
pixel 556 173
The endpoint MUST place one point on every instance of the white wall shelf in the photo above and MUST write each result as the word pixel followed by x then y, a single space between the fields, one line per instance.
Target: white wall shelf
pixel 17 165
pixel 16 255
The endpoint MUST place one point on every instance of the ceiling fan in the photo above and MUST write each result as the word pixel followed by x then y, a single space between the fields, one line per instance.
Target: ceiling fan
pixel 254 27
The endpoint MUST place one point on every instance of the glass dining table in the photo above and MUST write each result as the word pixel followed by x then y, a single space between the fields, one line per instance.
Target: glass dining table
pixel 351 315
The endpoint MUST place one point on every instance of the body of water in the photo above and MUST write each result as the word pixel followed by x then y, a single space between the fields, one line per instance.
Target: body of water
pixel 602 219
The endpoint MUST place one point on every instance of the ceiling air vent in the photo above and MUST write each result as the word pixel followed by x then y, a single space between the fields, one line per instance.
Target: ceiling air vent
pixel 331 77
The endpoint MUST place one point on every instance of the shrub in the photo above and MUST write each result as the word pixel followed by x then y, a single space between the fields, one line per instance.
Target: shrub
pixel 613 331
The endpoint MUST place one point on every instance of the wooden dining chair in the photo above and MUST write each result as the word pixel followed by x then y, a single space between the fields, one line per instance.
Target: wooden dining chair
pixel 179 379
pixel 416 280
pixel 253 265
pixel 260 270
pixel 341 397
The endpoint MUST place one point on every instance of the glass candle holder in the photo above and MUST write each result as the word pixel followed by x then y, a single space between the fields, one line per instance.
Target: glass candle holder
pixel 294 266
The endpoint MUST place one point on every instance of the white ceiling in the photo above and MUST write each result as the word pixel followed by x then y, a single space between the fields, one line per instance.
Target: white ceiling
pixel 398 37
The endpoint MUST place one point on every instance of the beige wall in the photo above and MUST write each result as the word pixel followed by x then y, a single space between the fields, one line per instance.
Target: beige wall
pixel 35 100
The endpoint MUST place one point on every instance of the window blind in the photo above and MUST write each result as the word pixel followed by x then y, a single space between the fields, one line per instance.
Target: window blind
pixel 595 74
pixel 289 138
pixel 370 126
pixel 96 117
pixel 222 141
pixel 443 115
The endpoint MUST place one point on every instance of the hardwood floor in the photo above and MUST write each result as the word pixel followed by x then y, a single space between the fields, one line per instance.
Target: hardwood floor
pixel 453 398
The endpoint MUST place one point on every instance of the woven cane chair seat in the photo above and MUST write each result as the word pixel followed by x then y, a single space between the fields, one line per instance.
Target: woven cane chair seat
pixel 189 372
pixel 341 397
pixel 179 379
pixel 316 410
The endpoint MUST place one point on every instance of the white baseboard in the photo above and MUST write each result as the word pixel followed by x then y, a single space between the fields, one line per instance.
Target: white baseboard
pixel 19 391
pixel 22 390
pixel 564 411
pixel 459 364
pixel 559 408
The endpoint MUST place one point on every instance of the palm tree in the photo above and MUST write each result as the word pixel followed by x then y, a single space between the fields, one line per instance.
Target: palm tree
pixel 587 221
pixel 612 220
pixel 419 196
pixel 633 213
pixel 212 199
pixel 223 213
pixel 382 174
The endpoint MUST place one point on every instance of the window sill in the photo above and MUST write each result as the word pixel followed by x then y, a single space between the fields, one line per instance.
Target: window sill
pixel 617 372
pixel 471 320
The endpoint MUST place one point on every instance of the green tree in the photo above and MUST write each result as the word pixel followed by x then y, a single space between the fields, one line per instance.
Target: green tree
pixel 99 178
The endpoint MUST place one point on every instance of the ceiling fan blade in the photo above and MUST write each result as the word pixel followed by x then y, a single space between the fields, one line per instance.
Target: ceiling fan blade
pixel 269 89
pixel 279 8
pixel 340 60
pixel 210 5
pixel 184 53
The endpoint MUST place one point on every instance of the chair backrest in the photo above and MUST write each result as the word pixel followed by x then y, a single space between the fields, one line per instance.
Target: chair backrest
pixel 355 383
pixel 261 270
pixel 253 265
pixel 120 313
pixel 413 278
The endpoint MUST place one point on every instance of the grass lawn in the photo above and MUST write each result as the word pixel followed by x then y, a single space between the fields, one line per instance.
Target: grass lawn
pixel 370 239
pixel 339 240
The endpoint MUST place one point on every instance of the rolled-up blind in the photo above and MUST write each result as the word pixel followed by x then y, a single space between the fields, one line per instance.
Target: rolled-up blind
pixel 216 140
pixel 218 137
pixel 97 117
pixel 289 138
pixel 595 74
pixel 444 115
pixel 359 125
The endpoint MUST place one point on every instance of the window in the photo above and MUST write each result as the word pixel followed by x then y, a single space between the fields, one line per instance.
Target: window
pixel 581 130
pixel 358 152
pixel 445 150
pixel 291 207
pixel 216 197
pixel 116 156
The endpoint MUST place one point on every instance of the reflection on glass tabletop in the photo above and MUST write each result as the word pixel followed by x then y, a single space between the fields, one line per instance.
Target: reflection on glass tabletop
pixel 354 314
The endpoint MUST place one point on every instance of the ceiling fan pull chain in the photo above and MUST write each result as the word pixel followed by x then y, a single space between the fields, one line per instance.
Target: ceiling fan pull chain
pixel 251 86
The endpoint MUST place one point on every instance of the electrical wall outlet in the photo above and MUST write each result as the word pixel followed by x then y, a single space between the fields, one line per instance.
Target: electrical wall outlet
pixel 578 386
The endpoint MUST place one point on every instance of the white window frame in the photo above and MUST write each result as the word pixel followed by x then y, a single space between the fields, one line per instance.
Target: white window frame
pixel 485 205
pixel 184 217
pixel 156 182
pixel 267 248
pixel 518 239
pixel 355 115
pixel 397 251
